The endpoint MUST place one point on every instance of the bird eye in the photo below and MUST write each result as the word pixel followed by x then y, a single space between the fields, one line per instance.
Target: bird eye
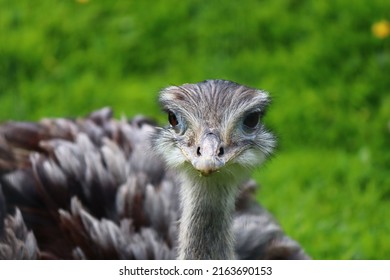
pixel 172 119
pixel 251 120
pixel 177 123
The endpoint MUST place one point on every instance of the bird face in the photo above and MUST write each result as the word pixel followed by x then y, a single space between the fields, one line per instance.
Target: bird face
pixel 214 127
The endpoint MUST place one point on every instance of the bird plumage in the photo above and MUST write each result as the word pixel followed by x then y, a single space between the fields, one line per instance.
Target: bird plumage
pixel 214 140
pixel 92 188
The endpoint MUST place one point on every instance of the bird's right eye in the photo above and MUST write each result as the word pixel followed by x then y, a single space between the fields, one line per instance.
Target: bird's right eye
pixel 172 119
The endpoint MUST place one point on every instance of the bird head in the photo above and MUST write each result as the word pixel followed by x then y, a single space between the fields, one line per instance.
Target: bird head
pixel 215 127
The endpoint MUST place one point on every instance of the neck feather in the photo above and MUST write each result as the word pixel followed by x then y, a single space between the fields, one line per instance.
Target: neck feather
pixel 206 222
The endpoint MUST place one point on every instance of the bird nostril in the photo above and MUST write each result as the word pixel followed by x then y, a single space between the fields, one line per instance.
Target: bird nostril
pixel 221 152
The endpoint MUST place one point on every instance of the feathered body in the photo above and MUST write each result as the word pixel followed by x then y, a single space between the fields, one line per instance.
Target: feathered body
pixel 93 188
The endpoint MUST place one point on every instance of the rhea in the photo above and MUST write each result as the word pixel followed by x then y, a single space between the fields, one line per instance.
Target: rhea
pixel 99 188
pixel 215 138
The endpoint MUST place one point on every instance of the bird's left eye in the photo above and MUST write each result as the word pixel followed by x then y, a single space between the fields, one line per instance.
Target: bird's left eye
pixel 251 120
pixel 172 119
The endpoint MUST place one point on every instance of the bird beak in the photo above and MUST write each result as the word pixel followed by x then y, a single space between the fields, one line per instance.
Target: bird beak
pixel 208 155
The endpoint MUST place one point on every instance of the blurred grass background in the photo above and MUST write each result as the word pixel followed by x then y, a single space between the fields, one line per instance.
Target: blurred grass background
pixel 325 64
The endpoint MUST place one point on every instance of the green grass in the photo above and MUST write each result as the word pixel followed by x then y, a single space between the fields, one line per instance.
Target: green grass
pixel 338 211
pixel 328 183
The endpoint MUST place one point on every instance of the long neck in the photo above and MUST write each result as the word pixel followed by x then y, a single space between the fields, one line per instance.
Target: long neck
pixel 206 222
